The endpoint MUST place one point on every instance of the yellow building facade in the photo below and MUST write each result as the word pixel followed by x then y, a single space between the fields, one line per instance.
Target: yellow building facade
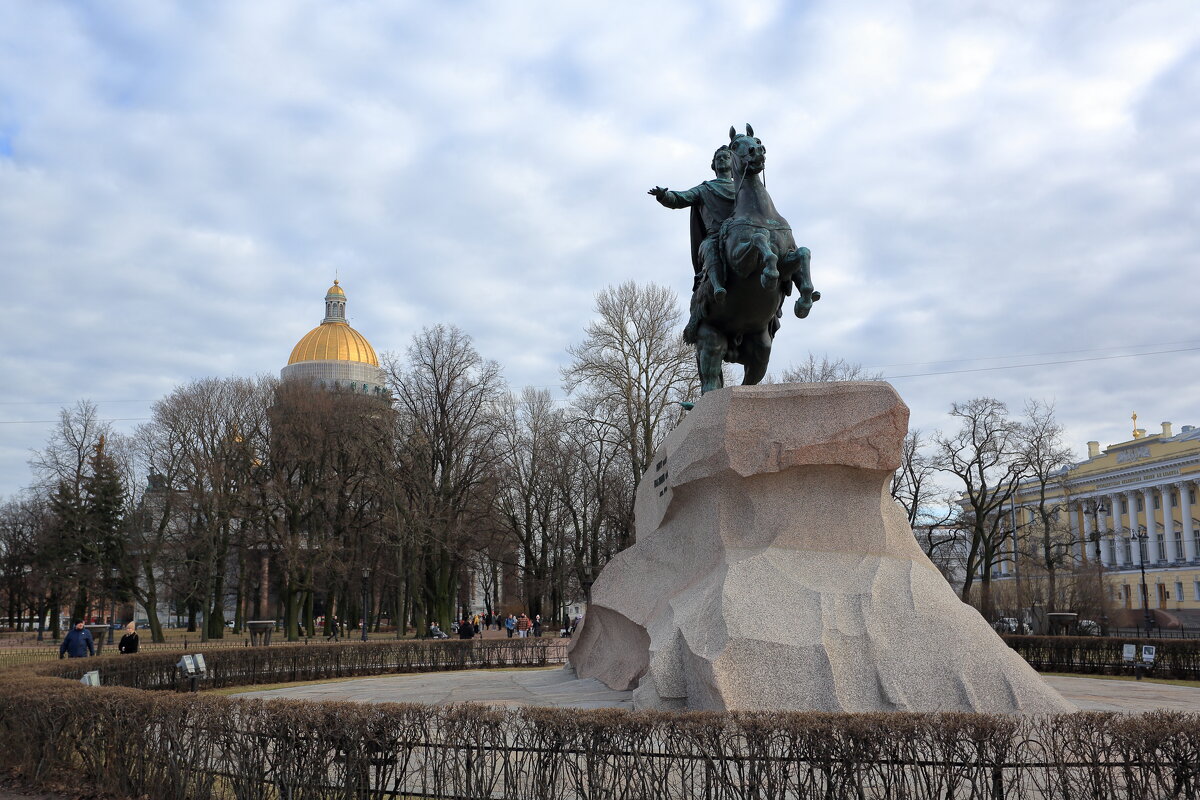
pixel 1129 507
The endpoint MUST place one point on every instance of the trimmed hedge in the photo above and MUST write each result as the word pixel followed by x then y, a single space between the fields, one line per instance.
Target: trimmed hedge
pixel 291 663
pixel 167 745
pixel 1097 655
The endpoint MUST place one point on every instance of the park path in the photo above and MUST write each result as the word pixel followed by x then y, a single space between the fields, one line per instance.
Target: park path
pixel 558 687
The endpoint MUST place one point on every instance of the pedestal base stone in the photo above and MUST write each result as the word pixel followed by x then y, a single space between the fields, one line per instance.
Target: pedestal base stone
pixel 772 570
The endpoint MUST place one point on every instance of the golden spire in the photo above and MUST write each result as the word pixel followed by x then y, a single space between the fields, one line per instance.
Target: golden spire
pixel 1134 418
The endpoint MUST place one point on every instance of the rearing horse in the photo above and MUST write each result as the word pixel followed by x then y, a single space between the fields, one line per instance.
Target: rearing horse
pixel 762 262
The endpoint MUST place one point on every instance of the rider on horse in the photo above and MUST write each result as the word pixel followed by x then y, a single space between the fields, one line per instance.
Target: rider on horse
pixel 711 203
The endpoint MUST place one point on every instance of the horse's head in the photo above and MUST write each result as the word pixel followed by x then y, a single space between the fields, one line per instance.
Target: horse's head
pixel 749 154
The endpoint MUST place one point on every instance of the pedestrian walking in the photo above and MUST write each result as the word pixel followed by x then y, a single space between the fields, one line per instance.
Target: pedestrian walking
pixel 524 624
pixel 77 643
pixel 129 642
pixel 510 624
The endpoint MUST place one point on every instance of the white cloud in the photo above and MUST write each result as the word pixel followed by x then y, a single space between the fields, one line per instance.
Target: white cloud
pixel 179 182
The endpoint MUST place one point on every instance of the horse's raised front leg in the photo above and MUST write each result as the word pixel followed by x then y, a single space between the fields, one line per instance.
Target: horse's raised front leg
pixel 802 277
pixel 710 356
pixel 770 273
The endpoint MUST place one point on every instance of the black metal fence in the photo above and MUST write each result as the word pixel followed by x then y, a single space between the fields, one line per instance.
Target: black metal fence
pixel 1174 658
pixel 1154 632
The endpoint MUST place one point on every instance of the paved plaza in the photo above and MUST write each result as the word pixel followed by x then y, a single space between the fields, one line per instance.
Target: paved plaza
pixel 558 687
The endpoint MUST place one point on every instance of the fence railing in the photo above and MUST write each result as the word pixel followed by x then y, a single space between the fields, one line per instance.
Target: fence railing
pixel 1154 632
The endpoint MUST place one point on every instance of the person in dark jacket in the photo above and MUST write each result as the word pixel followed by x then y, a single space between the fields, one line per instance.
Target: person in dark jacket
pixel 465 629
pixel 77 643
pixel 129 642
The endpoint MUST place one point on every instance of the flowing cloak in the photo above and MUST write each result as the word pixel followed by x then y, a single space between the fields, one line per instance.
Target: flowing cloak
pixel 711 203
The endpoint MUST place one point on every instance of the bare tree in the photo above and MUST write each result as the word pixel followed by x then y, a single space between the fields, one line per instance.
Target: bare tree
pixel 23 522
pixel 160 512
pixel 1050 541
pixel 528 500
pixel 596 493
pixel 448 399
pixel 927 506
pixel 211 417
pixel 86 501
pixel 71 446
pixel 634 370
pixel 824 370
pixel 321 496
pixel 986 454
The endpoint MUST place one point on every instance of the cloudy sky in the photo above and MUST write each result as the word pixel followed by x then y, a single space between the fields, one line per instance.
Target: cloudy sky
pixel 1000 197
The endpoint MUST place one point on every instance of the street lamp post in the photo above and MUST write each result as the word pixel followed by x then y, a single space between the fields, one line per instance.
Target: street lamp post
pixel 1140 535
pixel 366 577
pixel 112 602
pixel 588 580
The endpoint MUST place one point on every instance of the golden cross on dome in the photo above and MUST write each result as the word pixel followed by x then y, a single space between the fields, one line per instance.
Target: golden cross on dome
pixel 1134 424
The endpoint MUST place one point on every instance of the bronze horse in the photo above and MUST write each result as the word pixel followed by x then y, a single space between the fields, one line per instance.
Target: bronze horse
pixel 761 262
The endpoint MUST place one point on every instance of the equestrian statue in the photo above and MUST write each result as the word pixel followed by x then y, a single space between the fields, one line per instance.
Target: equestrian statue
pixel 745 261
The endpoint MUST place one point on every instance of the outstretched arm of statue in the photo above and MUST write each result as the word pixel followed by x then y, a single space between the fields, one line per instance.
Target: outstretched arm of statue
pixel 674 199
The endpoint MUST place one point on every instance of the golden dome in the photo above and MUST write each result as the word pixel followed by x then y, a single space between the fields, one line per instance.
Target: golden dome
pixel 334 341
pixel 335 290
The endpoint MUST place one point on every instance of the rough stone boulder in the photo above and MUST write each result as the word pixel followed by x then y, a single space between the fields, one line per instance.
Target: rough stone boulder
pixel 773 570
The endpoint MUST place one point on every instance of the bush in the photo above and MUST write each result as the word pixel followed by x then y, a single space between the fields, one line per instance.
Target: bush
pixel 167 745
pixel 1175 658
pixel 249 666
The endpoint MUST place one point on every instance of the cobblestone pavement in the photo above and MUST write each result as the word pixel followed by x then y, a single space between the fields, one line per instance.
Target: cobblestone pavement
pixel 558 687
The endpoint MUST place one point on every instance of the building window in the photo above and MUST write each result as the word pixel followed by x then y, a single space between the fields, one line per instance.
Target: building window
pixel 1174 499
pixel 1196 591
pixel 1192 496
pixel 1157 501
pixel 1178 590
pixel 1141 504
pixel 1124 506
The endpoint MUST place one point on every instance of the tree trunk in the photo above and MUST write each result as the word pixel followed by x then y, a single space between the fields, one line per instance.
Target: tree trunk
pixel 79 611
pixel 55 620
pixel 309 628
pixel 985 595
pixel 264 587
pixel 291 610
pixel 239 607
